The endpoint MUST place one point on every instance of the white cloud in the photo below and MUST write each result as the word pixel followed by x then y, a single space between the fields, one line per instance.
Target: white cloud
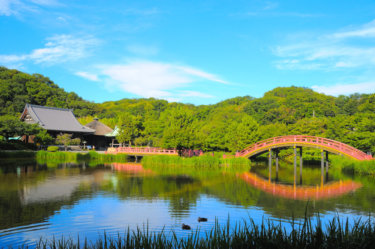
pixel 201 74
pixel 11 7
pixel 367 30
pixel 346 89
pixel 57 49
pixel 156 79
pixel 15 7
pixel 329 51
pixel 89 76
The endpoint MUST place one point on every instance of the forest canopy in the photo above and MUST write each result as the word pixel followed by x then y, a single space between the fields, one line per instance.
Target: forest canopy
pixel 229 125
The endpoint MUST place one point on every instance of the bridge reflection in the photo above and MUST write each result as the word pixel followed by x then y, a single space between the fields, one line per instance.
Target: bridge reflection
pixel 133 168
pixel 317 192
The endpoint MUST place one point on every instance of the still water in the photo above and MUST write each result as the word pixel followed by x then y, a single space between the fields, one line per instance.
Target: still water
pixel 80 199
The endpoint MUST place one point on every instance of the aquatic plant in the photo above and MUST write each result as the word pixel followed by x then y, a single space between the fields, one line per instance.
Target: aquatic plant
pixel 337 234
pixel 92 156
pixel 350 165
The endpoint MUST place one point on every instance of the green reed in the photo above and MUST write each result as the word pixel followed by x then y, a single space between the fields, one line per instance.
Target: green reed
pixel 336 234
pixel 351 165
pixel 92 156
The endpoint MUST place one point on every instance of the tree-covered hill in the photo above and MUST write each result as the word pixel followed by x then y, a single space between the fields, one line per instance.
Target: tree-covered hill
pixel 18 88
pixel 228 125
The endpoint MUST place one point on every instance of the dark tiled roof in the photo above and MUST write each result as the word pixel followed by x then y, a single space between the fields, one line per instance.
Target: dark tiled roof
pixel 100 128
pixel 55 119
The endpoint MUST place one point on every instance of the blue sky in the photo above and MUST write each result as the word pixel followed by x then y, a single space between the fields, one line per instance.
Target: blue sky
pixel 198 52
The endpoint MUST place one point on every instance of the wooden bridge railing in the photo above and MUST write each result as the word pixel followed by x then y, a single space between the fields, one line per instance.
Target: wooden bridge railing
pixel 141 151
pixel 300 140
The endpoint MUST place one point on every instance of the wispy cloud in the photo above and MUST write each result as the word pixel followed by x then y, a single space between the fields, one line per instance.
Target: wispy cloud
pixel 15 7
pixel 57 49
pixel 329 51
pixel 89 76
pixel 367 30
pixel 155 79
pixel 345 89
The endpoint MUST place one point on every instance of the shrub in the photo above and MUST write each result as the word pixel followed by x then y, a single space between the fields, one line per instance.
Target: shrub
pixel 52 148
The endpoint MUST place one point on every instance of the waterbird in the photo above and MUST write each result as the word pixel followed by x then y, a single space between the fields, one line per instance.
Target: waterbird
pixel 201 219
pixel 185 227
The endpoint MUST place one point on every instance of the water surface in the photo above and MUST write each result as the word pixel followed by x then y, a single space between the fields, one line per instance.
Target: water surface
pixel 80 199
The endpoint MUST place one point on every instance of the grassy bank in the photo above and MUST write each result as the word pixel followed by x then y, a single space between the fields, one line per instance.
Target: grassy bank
pixel 350 165
pixel 92 156
pixel 205 161
pixel 337 234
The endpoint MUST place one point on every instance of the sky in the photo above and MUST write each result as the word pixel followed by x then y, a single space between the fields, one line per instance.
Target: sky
pixel 198 52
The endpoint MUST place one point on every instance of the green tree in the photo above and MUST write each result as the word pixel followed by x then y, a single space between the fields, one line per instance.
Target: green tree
pixel 130 127
pixel 66 140
pixel 43 138
pixel 11 126
pixel 242 134
pixel 177 133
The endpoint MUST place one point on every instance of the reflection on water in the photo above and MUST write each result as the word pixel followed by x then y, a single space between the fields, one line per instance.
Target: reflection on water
pixel 71 199
pixel 301 192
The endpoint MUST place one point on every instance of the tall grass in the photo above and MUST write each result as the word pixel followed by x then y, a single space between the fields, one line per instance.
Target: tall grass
pixel 337 234
pixel 92 156
pixel 205 161
pixel 351 165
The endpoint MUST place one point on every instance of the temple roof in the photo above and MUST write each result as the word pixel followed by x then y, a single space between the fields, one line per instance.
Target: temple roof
pixel 100 128
pixel 54 119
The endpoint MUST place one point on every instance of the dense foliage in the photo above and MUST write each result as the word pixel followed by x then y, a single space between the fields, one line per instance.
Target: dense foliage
pixel 229 125
pixel 18 88
pixel 235 123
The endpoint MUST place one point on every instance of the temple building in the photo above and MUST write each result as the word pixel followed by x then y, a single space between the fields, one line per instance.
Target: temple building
pixel 102 135
pixel 59 121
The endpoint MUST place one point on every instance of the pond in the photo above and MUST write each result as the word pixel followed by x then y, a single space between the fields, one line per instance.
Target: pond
pixel 81 199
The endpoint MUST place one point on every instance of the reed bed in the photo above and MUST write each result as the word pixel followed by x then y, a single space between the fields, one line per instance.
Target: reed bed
pixel 350 165
pixel 337 234
pixel 205 161
pixel 92 156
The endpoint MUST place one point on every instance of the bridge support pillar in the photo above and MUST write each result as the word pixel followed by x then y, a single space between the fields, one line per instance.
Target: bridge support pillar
pixel 327 166
pixel 269 164
pixel 295 164
pixel 300 165
pixel 277 165
pixel 322 165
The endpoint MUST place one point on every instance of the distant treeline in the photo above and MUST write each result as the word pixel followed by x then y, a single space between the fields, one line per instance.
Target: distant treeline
pixel 229 125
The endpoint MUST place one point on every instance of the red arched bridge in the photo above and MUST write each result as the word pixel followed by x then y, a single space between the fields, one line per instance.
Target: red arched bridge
pixel 303 141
